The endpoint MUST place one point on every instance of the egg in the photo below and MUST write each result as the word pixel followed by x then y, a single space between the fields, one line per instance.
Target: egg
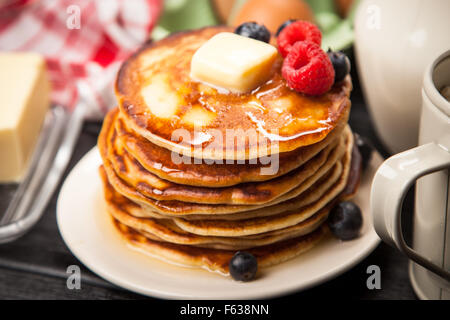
pixel 272 13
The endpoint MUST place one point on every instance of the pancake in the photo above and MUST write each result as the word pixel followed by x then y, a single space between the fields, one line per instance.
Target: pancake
pixel 257 225
pixel 158 99
pixel 319 188
pixel 185 173
pixel 218 259
pixel 166 230
pixel 158 160
pixel 150 185
pixel 179 208
pixel 354 175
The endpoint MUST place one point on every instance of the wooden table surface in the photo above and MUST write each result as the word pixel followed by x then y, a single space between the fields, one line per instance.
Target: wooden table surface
pixel 34 266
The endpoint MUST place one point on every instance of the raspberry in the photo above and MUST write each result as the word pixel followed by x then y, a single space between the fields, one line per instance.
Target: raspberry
pixel 297 31
pixel 308 69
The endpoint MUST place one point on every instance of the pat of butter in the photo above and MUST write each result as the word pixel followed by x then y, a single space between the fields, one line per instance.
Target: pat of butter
pixel 24 100
pixel 233 62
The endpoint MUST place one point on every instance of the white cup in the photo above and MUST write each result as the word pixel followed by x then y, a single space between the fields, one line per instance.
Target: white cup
pixel 394 42
pixel 430 161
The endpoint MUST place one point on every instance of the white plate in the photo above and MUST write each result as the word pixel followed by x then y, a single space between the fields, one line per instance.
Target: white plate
pixel 88 232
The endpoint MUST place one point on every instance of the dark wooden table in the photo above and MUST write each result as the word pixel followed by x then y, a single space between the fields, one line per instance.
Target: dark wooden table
pixel 34 266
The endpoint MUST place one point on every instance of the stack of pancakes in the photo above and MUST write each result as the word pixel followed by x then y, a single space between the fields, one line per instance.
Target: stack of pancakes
pixel 216 201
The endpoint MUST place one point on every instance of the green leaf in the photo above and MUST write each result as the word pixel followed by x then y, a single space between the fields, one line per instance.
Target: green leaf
pixel 318 6
pixel 340 38
pixel 327 21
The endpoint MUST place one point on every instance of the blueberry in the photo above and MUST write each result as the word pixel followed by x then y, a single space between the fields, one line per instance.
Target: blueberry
pixel 284 25
pixel 243 266
pixel 365 149
pixel 341 65
pixel 254 31
pixel 345 220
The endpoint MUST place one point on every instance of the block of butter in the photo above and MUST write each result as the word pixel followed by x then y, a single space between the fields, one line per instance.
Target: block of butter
pixel 233 62
pixel 24 100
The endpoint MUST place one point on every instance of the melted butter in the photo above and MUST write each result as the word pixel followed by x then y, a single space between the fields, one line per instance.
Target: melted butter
pixel 260 124
pixel 160 99
pixel 255 104
pixel 198 116
pixel 280 105
pixel 260 94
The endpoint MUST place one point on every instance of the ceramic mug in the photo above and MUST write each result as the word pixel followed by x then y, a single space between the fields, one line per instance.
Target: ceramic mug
pixel 394 42
pixel 430 161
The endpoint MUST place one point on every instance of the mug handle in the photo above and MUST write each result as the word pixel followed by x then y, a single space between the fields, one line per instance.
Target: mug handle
pixel 390 185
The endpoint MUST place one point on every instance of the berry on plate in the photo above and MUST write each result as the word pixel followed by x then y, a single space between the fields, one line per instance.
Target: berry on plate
pixel 295 32
pixel 341 65
pixel 345 220
pixel 284 25
pixel 254 31
pixel 243 266
pixel 307 69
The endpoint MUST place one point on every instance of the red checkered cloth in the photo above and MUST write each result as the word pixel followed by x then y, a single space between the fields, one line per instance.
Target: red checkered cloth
pixel 83 41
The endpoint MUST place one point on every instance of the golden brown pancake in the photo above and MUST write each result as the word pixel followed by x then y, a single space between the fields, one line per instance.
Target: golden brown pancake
pixel 157 97
pixel 314 193
pixel 158 160
pixel 200 213
pixel 150 185
pixel 217 259
pixel 166 230
pixel 180 208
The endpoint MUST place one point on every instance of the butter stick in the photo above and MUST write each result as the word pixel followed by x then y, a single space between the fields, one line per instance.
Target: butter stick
pixel 24 100
pixel 233 62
